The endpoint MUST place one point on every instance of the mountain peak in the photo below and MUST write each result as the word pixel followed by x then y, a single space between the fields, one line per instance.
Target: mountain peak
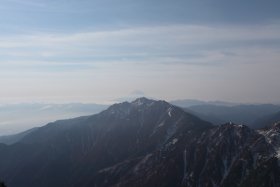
pixel 142 100
pixel 140 104
pixel 242 130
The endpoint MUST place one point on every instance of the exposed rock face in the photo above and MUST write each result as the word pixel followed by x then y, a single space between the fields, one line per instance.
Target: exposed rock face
pixel 228 155
pixel 142 143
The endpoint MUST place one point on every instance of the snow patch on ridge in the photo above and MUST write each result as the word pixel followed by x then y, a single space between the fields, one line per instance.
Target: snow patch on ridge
pixel 278 153
pixel 169 111
pixel 161 124
pixel 175 140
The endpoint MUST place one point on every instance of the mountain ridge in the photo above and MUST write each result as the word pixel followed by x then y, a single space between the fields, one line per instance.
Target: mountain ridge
pixel 142 143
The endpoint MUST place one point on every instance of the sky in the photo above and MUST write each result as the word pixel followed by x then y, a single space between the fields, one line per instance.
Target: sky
pixel 97 51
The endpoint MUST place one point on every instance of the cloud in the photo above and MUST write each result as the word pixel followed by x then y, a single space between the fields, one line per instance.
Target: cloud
pixel 191 60
pixel 187 44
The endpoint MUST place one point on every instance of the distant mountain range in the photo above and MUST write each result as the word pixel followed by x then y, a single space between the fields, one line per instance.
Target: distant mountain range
pixel 20 117
pixel 241 114
pixel 219 112
pixel 267 121
pixel 185 103
pixel 142 143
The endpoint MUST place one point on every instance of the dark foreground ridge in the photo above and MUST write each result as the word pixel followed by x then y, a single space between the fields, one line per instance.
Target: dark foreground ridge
pixel 143 143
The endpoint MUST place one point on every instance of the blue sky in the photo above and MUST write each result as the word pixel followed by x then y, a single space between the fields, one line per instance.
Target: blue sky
pixel 98 51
